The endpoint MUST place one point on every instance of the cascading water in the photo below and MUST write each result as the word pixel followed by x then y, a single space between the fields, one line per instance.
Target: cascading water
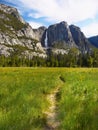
pixel 46 40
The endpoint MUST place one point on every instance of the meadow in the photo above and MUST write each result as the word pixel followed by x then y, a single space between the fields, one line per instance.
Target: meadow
pixel 23 101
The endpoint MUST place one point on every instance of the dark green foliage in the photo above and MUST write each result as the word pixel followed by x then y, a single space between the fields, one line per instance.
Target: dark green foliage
pixel 67 60
pixel 58 95
pixel 62 78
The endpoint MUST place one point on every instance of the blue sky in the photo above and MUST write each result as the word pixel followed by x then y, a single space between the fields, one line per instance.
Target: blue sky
pixel 82 13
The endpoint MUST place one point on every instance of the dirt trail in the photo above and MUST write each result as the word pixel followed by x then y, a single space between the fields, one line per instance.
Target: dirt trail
pixel 51 114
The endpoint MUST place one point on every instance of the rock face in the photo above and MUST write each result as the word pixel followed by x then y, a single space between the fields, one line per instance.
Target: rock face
pixel 12 11
pixel 15 31
pixel 94 40
pixel 79 38
pixel 38 33
pixel 63 36
pixel 59 36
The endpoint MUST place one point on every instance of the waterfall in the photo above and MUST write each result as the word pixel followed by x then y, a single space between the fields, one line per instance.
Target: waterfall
pixel 46 40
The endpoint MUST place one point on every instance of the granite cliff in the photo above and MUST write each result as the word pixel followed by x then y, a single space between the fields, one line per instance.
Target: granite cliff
pixel 63 36
pixel 17 34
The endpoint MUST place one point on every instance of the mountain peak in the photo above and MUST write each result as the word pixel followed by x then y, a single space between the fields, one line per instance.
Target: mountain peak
pixel 14 30
pixel 16 33
pixel 58 35
pixel 62 22
pixel 61 35
pixel 12 11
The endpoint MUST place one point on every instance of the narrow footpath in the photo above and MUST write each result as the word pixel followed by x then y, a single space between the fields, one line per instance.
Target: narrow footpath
pixel 51 114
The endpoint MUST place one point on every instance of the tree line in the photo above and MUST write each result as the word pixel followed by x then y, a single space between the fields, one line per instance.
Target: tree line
pixel 72 59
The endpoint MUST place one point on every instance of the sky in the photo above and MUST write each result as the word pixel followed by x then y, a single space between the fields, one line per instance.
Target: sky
pixel 82 13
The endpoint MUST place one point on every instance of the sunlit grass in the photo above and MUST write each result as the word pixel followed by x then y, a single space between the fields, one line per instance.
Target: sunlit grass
pixel 78 107
pixel 23 97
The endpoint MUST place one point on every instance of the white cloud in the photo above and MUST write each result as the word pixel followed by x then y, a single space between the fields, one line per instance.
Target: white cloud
pixel 33 15
pixel 35 25
pixel 57 10
pixel 91 29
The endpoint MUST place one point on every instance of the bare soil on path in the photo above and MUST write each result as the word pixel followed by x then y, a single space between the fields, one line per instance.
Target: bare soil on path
pixel 52 122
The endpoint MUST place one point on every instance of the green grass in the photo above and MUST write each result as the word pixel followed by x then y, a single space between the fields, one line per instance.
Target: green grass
pixel 78 107
pixel 23 101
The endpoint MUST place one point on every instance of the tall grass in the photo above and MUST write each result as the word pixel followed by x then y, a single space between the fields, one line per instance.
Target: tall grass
pixel 23 99
pixel 78 106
